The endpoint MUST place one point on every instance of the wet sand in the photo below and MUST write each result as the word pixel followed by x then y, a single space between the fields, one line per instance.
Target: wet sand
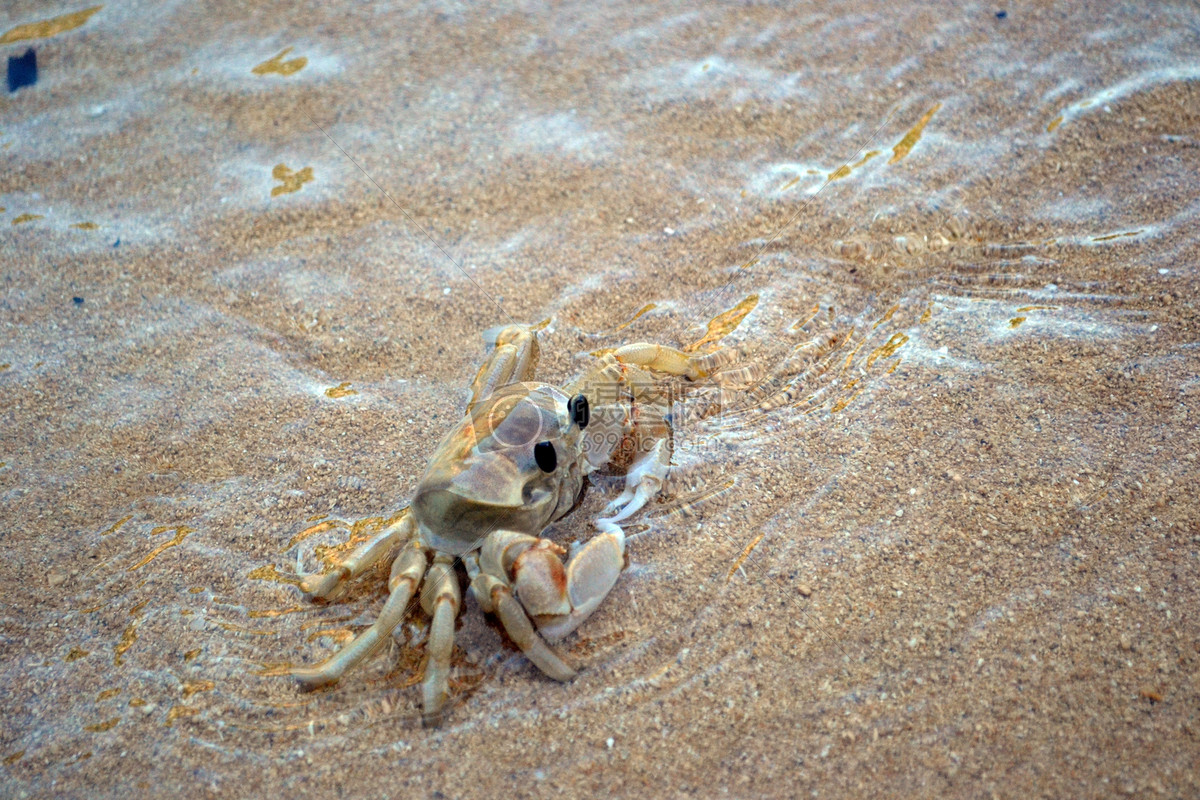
pixel 247 262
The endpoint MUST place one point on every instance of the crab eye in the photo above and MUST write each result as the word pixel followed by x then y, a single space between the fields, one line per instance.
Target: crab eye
pixel 578 407
pixel 545 456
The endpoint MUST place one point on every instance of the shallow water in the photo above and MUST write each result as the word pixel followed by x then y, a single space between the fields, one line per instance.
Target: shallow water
pixel 247 263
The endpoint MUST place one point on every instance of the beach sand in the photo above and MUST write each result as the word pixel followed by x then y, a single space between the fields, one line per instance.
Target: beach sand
pixel 248 258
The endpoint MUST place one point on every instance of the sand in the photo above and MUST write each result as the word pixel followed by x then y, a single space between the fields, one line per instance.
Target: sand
pixel 248 258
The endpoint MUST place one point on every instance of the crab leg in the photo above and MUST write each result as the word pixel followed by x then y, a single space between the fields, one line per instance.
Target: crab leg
pixel 514 359
pixel 674 362
pixel 407 570
pixel 441 600
pixel 363 558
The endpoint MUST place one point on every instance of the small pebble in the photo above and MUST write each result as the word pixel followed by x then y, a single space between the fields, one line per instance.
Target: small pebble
pixel 804 589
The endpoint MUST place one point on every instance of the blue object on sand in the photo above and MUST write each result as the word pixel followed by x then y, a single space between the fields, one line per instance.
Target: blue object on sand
pixel 22 70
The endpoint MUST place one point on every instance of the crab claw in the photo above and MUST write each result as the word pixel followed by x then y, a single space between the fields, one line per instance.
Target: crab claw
pixel 540 579
pixel 559 597
pixel 522 578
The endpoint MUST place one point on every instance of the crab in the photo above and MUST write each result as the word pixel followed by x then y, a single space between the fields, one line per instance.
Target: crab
pixel 516 462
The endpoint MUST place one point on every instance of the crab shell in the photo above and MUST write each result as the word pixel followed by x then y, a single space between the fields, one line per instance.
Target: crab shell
pixel 484 475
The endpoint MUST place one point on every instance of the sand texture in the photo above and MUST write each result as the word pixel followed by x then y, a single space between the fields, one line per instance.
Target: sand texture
pixel 948 548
